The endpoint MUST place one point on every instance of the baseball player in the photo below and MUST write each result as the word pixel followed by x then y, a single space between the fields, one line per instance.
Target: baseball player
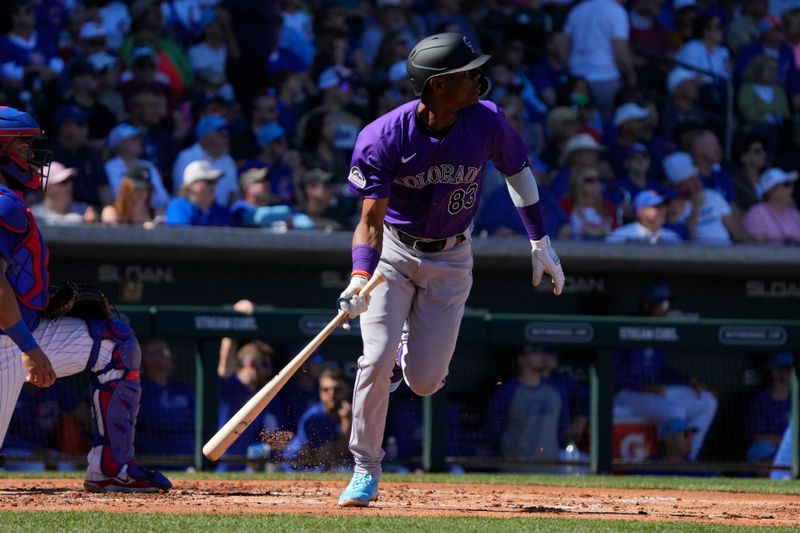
pixel 38 350
pixel 418 170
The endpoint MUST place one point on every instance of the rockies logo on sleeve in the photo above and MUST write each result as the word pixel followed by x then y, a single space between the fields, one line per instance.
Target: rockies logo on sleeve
pixel 357 178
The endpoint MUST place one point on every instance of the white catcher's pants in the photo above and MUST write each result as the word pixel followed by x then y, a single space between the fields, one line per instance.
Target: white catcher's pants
pixel 67 344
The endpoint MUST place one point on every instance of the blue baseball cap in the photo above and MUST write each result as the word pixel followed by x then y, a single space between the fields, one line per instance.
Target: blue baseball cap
pixel 657 292
pixel 648 198
pixel 270 132
pixel 122 132
pixel 779 359
pixel 209 124
pixel 70 113
pixel 675 426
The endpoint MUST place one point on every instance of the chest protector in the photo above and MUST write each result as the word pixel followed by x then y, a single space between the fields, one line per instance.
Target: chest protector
pixel 27 267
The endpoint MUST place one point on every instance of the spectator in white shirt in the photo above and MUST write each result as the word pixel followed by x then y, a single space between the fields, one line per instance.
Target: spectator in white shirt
pixel 651 213
pixel 597 46
pixel 212 52
pixel 706 212
pixel 213 146
pixel 706 51
pixel 125 141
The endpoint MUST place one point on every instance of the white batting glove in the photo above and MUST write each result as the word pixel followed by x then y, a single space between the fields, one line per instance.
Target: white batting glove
pixel 545 259
pixel 349 301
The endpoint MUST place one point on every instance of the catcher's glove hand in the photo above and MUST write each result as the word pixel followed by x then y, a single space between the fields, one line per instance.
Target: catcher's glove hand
pixel 79 299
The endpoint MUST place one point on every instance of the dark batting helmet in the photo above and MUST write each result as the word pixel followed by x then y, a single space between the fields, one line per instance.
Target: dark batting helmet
pixel 441 54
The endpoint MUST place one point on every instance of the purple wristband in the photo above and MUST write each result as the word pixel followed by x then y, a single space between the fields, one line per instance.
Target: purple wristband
pixel 22 337
pixel 365 258
pixel 533 221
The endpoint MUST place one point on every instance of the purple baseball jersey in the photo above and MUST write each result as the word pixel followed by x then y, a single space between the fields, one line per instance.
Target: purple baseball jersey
pixel 433 185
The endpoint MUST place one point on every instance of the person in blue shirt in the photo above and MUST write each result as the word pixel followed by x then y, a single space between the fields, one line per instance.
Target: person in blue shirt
pixel 769 409
pixel 197 206
pixel 242 372
pixel 166 414
pixel 528 416
pixel 324 429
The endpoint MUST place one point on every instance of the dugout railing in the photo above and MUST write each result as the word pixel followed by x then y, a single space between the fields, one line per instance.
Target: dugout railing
pixel 206 325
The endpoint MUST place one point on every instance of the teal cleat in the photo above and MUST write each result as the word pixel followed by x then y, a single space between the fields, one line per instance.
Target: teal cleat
pixel 362 490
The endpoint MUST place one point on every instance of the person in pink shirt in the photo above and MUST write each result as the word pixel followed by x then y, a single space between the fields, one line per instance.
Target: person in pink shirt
pixel 775 218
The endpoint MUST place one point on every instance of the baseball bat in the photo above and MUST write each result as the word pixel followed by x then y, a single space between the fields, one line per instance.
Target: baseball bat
pixel 245 416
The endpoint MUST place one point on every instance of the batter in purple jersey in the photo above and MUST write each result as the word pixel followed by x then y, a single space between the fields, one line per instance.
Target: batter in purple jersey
pixel 419 170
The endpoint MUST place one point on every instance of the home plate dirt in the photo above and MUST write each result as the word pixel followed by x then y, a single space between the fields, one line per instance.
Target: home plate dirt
pixel 411 499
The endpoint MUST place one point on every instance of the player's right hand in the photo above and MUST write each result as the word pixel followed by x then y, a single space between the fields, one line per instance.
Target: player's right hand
pixel 40 371
pixel 349 301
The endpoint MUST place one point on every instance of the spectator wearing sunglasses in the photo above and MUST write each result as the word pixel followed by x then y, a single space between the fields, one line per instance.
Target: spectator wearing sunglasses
pixel 775 219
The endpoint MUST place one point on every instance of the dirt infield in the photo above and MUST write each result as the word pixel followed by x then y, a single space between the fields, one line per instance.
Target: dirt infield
pixel 406 499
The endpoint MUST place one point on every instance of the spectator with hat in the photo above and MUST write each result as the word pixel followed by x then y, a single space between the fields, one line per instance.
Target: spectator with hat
pixel 318 201
pixel 125 143
pixel 213 147
pixel 144 73
pixel 283 162
pixel 58 208
pixel 133 202
pixel 196 204
pixel 258 208
pixel 775 219
pixel 769 409
pixel 580 152
pixel 682 106
pixel 684 12
pixel 148 30
pixel 636 178
pixel 93 38
pixel 71 147
pixel 83 93
pixel 107 68
pixel 651 214
pixel 706 212
pixel 632 126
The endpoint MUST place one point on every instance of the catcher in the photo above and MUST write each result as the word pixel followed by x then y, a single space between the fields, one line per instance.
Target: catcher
pixel 41 342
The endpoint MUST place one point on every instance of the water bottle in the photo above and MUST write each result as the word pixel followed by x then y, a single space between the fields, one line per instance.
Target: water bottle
pixel 572 455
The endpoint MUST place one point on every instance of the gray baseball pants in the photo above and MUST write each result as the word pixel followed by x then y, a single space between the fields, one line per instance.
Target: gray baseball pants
pixel 430 289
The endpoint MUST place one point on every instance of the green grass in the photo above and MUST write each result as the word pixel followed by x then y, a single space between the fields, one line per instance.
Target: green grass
pixel 758 486
pixel 96 522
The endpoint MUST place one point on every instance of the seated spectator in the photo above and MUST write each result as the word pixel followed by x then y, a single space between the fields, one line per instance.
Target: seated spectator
pixel 336 90
pixel 750 159
pixel 762 104
pixel 550 72
pixel 705 211
pixel 319 203
pixel 592 217
pixel 318 146
pixel 125 143
pixel 683 106
pixel 166 416
pixel 581 152
pixel 576 93
pixel 562 123
pixel 244 143
pixel 498 216
pixel 195 204
pixel 58 208
pixel 769 410
pixel 133 204
pixel 282 161
pixel 528 416
pixel 745 29
pixel 213 147
pixel 649 388
pixel 148 112
pixel 107 68
pixel 23 55
pixel 212 51
pixel 72 149
pixel 706 52
pixel 651 214
pixel 632 125
pixel 258 208
pixel 83 93
pixel 775 219
pixel 676 437
pixel 243 371
pixel 771 42
pixel 577 393
pixel 706 152
pixel 143 74
pixel 684 12
pixel 636 177
pixel 323 432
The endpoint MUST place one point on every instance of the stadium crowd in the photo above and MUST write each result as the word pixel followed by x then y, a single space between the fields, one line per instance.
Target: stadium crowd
pixel 236 113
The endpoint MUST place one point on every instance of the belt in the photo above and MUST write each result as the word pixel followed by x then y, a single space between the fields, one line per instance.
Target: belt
pixel 424 245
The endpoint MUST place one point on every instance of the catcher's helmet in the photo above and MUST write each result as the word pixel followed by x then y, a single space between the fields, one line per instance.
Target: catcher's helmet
pixel 441 54
pixel 25 165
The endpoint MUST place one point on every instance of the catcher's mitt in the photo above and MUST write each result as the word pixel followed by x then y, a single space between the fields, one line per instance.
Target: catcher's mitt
pixel 79 299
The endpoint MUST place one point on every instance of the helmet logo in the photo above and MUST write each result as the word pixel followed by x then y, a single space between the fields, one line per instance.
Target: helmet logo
pixel 469 45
